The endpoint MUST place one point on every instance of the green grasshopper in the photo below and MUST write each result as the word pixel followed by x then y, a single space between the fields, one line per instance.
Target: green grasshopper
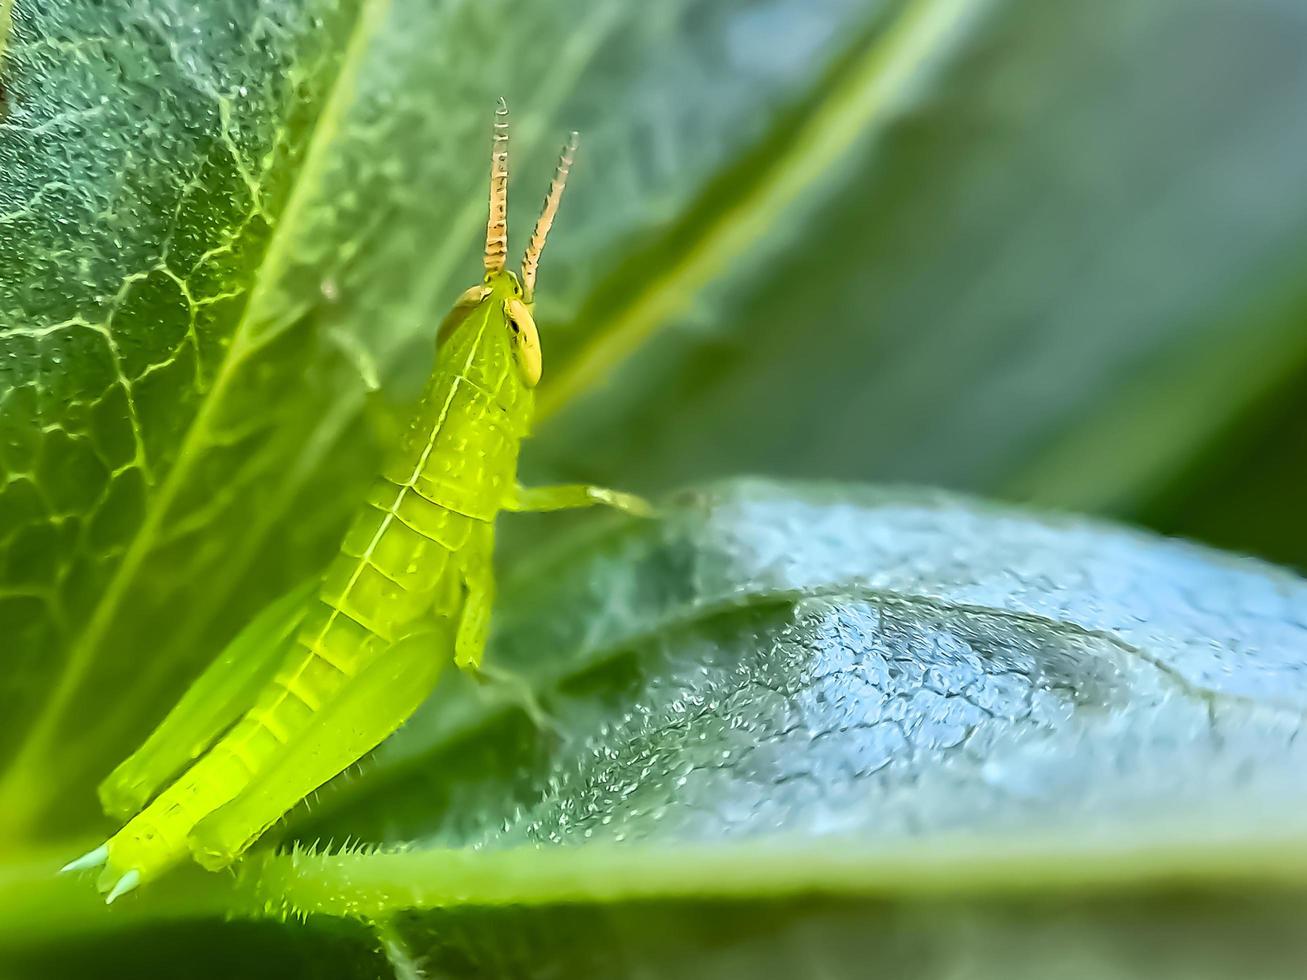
pixel 325 674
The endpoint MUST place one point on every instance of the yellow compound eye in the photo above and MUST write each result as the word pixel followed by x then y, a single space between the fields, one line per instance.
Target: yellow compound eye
pixel 526 341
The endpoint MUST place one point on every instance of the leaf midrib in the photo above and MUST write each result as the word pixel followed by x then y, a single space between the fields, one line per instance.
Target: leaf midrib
pixel 359 884
pixel 1199 851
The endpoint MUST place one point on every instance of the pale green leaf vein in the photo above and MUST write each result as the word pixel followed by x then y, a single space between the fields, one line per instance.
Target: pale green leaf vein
pixel 23 787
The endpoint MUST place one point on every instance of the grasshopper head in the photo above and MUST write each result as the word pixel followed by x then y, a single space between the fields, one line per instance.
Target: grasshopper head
pixel 515 295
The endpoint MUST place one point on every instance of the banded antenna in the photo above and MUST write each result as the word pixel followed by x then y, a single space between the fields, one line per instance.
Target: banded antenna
pixel 531 258
pixel 497 225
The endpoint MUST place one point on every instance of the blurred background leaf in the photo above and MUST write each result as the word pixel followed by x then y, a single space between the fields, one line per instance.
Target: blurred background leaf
pixel 1067 271
pixel 1047 253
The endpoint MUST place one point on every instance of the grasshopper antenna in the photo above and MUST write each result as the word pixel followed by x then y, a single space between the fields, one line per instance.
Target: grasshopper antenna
pixel 497 225
pixel 531 258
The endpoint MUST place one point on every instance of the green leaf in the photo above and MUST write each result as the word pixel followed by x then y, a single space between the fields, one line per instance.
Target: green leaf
pixel 957 726
pixel 157 165
pixel 1012 671
pixel 780 711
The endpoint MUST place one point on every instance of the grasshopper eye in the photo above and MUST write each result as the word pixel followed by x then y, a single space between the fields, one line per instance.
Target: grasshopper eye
pixel 526 341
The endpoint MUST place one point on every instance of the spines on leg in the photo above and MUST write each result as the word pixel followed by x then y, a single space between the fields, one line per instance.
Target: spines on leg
pixel 157 838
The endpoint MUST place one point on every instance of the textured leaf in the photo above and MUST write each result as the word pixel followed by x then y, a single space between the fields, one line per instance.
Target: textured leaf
pixel 150 164
pixel 941 713
pixel 1054 649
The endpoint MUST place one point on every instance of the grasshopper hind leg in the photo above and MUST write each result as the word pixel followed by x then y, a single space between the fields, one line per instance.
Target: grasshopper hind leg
pixel 210 706
pixel 378 700
pixel 248 780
